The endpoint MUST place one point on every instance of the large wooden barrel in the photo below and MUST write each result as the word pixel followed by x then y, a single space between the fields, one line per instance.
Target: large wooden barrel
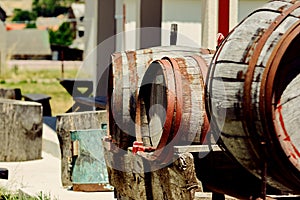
pixel 126 74
pixel 171 104
pixel 254 78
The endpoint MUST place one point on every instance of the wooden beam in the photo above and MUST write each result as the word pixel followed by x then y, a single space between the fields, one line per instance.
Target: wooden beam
pixel 151 16
pixel 209 23
pixel 106 43
pixel 224 9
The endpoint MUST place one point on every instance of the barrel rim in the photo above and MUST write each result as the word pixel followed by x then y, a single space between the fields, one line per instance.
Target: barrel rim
pixel 267 104
pixel 161 153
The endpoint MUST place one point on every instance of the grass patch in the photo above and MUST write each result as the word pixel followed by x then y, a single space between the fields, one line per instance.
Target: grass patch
pixel 41 81
pixel 9 195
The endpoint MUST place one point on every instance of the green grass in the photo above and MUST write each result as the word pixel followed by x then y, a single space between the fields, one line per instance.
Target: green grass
pixel 41 81
pixel 9 195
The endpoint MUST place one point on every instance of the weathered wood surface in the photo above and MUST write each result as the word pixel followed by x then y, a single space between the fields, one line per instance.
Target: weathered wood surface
pixel 171 109
pixel 287 119
pixel 126 74
pixel 89 172
pixel 74 121
pixel 20 130
pixel 220 173
pixel 9 93
pixel 177 181
pixel 242 118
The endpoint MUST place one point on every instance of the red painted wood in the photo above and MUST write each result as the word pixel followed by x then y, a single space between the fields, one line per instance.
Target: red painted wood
pixel 224 10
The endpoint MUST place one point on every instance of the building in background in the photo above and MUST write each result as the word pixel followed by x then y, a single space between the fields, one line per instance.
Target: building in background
pixel 28 44
pixel 76 15
pixel 199 22
pixel 53 23
pixel 10 5
pixel 2 46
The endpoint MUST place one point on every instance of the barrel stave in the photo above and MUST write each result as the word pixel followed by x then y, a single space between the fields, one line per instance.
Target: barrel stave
pixel 127 72
pixel 254 44
pixel 237 47
pixel 273 39
pixel 278 5
pixel 188 123
pixel 193 94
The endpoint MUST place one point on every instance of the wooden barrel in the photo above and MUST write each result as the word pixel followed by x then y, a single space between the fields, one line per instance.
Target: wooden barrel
pixel 171 104
pixel 126 74
pixel 254 78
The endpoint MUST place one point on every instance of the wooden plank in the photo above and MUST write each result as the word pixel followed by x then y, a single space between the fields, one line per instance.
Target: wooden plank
pixel 106 44
pixel 91 188
pixel 196 148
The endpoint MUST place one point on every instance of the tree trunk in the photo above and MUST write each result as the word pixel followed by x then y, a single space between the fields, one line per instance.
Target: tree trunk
pixel 20 130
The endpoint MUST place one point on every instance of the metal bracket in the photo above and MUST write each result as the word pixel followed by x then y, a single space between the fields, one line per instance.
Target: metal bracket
pixel 196 148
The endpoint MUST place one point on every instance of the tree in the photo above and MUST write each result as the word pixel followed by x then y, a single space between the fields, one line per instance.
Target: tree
pixel 23 15
pixel 63 36
pixel 50 8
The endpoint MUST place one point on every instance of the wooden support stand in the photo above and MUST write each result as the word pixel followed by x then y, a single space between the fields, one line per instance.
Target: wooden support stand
pixel 89 173
pixel 74 121
pixel 134 181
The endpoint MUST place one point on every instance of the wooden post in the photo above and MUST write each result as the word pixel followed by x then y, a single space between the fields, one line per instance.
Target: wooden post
pixel 106 43
pixel 120 27
pixel 209 27
pixel 74 121
pixel 134 183
pixel 21 127
pixel 224 8
pixel 151 16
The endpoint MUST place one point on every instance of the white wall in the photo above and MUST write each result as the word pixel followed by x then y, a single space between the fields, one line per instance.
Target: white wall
pixel 2 46
pixel 90 24
pixel 188 15
pixel 246 7
pixel 131 15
